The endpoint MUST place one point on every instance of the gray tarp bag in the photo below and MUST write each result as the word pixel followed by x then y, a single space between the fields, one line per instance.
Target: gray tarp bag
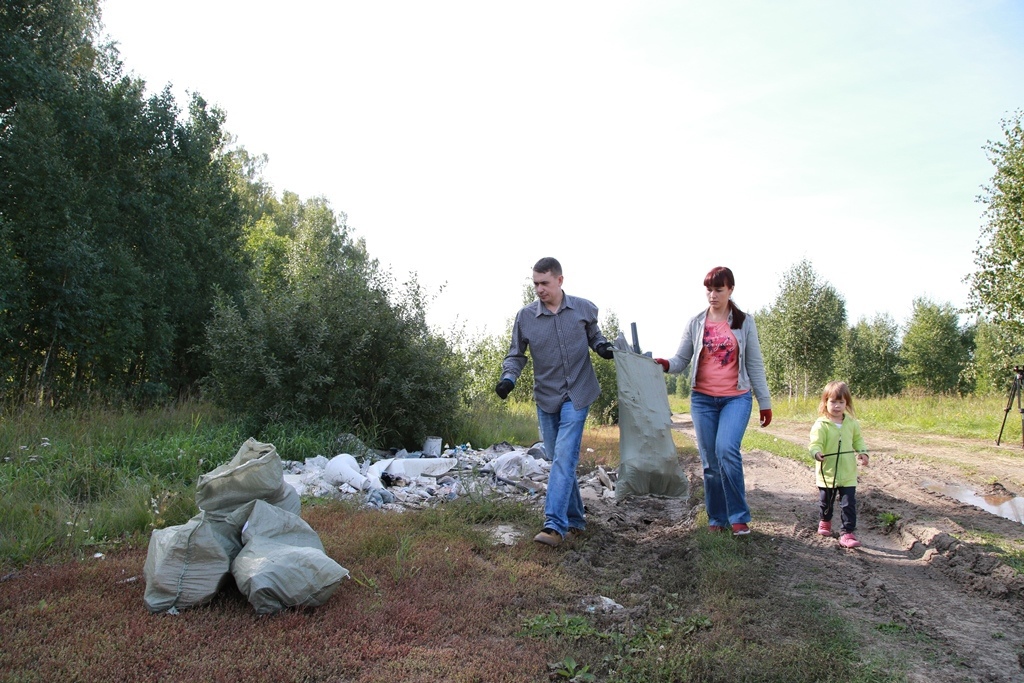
pixel 186 565
pixel 256 472
pixel 648 461
pixel 282 562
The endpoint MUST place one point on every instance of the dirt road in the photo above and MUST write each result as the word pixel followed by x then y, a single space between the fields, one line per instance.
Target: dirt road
pixel 930 590
pixel 918 574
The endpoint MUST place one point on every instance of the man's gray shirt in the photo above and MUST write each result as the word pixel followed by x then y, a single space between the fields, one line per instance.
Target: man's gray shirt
pixel 560 346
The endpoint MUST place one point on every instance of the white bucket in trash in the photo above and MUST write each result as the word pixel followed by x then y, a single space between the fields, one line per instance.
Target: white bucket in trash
pixel 432 445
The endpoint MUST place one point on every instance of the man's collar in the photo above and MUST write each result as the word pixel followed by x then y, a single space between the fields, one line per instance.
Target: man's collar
pixel 542 309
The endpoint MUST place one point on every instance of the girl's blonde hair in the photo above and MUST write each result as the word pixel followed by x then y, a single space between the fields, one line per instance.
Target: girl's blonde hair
pixel 835 390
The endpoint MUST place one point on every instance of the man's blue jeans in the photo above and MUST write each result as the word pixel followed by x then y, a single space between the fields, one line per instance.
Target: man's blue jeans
pixel 720 422
pixel 562 433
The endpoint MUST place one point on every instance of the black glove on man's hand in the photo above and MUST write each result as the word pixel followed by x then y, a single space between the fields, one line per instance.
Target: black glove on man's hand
pixel 605 351
pixel 504 387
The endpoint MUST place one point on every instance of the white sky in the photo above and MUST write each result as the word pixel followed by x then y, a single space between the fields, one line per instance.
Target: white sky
pixel 640 143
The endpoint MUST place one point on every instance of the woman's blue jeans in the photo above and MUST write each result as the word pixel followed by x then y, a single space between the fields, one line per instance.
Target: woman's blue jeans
pixel 562 433
pixel 720 422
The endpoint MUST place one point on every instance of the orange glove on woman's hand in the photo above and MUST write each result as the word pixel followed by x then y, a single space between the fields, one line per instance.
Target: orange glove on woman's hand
pixel 766 417
pixel 663 363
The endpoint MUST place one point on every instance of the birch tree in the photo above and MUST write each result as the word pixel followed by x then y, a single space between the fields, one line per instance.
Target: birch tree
pixel 997 286
pixel 870 358
pixel 935 349
pixel 802 331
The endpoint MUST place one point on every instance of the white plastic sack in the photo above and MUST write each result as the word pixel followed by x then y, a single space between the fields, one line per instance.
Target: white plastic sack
pixel 186 565
pixel 514 465
pixel 647 454
pixel 283 563
pixel 343 469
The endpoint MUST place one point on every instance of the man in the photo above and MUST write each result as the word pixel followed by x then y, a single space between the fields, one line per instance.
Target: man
pixel 559 330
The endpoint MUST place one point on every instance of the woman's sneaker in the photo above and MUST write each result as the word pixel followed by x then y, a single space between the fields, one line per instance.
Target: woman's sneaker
pixel 740 530
pixel 825 528
pixel 849 541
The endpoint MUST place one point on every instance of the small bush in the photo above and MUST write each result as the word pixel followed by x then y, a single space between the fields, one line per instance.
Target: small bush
pixel 336 348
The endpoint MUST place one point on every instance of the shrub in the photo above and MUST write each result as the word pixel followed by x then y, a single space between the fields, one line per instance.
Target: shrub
pixel 329 336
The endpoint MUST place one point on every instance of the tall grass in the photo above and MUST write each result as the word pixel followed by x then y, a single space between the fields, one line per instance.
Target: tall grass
pixel 78 480
pixel 978 417
pixel 483 425
pixel 678 404
pixel 961 416
pixel 71 481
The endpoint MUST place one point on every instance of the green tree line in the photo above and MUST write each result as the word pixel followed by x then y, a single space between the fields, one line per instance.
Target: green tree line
pixel 143 258
pixel 117 219
pixel 807 340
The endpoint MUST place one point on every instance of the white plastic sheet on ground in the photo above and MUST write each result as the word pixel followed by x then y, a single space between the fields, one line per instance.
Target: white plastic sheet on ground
pixel 516 464
pixel 408 468
pixel 648 460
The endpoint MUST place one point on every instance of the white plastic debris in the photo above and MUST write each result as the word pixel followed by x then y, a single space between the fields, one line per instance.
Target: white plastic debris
pixel 600 603
pixel 407 469
pixel 516 464
pixel 398 484
pixel 421 467
pixel 343 469
pixel 295 481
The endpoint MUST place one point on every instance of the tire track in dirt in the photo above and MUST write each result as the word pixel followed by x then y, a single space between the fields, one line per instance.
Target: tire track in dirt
pixel 947 607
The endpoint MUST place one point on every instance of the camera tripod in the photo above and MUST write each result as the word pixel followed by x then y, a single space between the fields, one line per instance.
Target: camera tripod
pixel 1015 391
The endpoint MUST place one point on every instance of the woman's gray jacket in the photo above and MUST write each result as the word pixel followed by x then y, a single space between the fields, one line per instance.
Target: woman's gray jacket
pixel 751 363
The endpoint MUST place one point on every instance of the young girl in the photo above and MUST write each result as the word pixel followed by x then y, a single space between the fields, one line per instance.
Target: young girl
pixel 835 440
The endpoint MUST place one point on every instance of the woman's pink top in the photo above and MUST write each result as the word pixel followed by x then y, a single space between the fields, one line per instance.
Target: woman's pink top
pixel 718 369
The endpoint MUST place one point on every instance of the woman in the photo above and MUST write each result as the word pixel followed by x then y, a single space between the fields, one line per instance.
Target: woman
pixel 728 366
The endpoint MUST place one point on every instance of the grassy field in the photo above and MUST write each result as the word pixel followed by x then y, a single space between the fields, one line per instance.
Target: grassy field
pixel 977 417
pixel 970 416
pixel 72 485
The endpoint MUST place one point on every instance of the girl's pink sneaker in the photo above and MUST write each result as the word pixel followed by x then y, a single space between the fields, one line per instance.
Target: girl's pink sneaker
pixel 825 528
pixel 849 541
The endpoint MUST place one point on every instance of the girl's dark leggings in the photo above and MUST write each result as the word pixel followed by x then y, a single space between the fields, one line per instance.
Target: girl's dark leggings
pixel 847 506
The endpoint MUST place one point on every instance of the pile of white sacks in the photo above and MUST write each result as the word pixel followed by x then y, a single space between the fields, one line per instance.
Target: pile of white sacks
pixel 419 479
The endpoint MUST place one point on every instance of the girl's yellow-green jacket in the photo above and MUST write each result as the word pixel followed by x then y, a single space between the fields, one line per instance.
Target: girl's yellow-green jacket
pixel 828 439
